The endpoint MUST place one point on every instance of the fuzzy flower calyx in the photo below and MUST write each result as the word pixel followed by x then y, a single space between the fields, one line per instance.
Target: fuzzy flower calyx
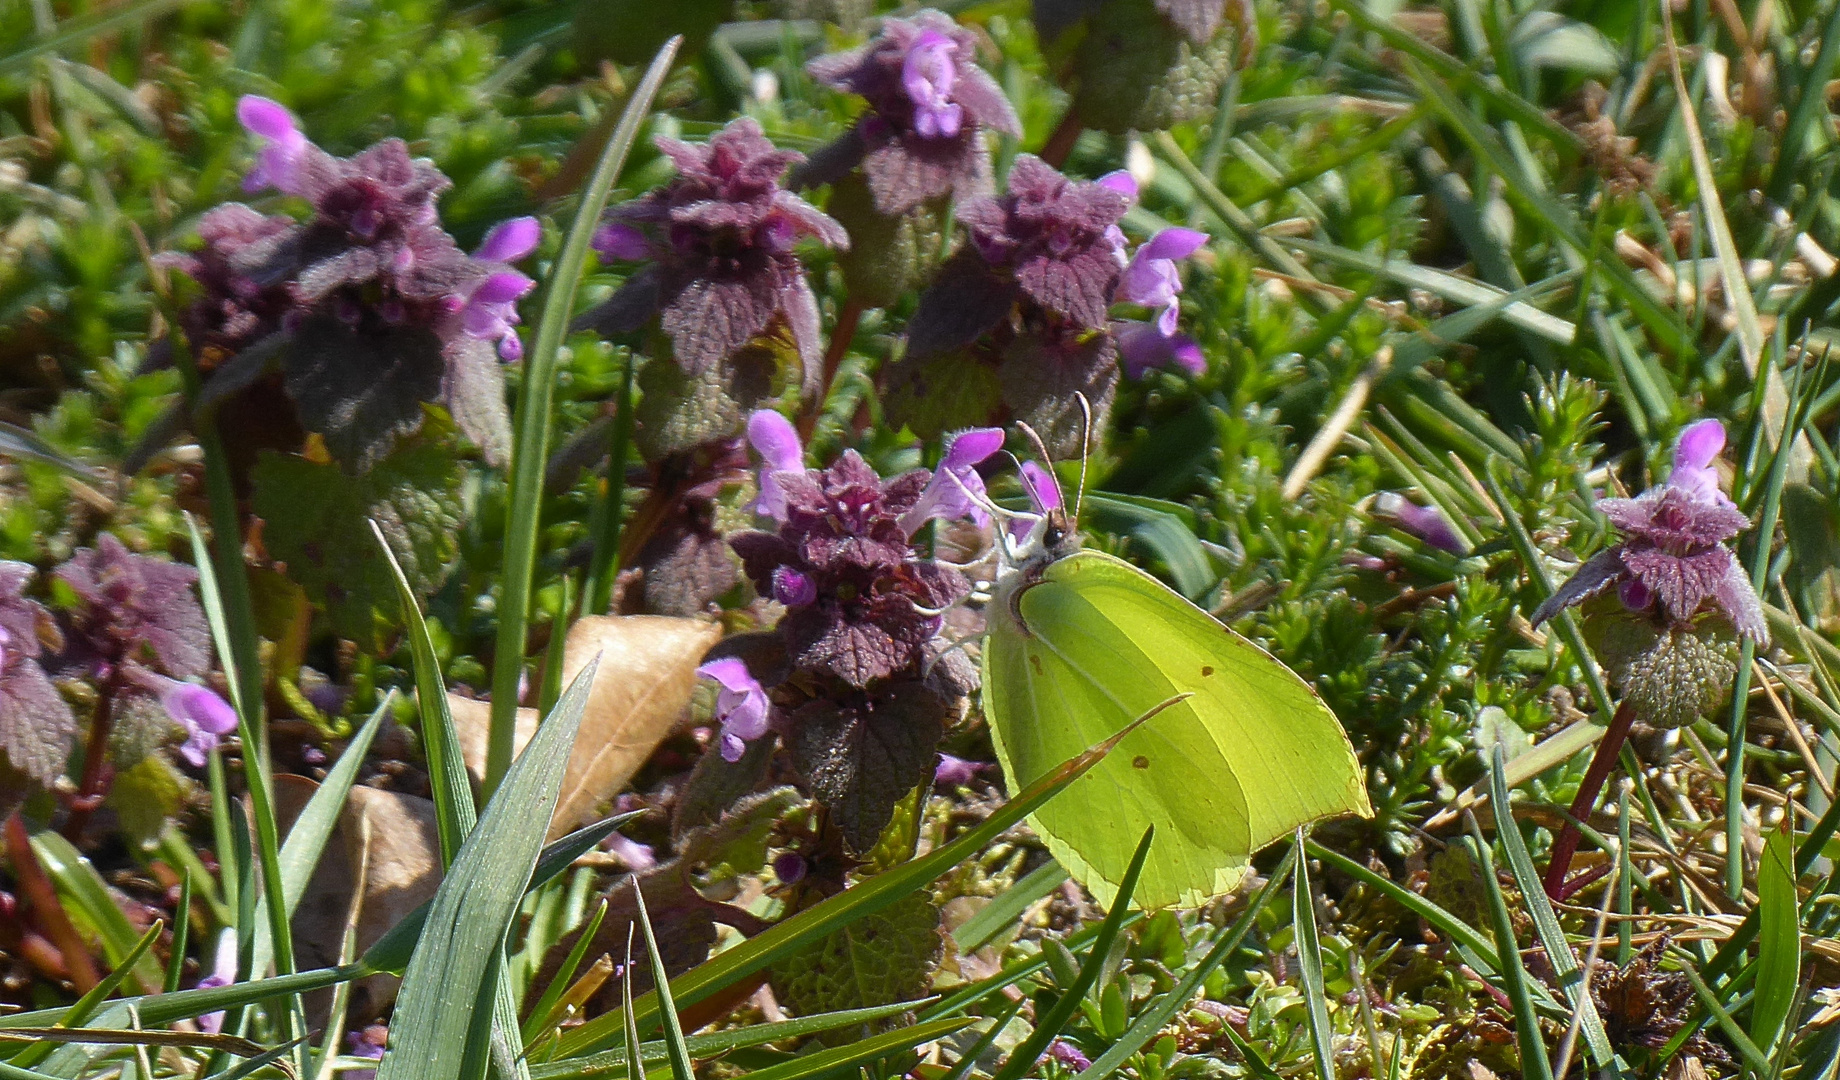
pixel 719 241
pixel 1673 553
pixel 922 136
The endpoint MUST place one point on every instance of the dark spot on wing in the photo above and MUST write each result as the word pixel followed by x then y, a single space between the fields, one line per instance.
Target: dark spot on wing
pixel 1206 671
pixel 1035 662
pixel 1140 762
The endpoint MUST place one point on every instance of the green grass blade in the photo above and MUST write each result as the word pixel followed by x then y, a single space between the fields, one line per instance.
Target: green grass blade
pixel 1514 979
pixel 1309 964
pixel 1452 927
pixel 1753 1056
pixel 85 1006
pixel 720 1042
pixel 454 811
pixel 85 894
pixel 442 1022
pixel 306 841
pixel 865 898
pixel 845 1059
pixel 182 932
pixel 608 518
pixel 530 452
pixel 1151 1022
pixel 1007 906
pixel 784 938
pixel 1024 1057
pixel 78 30
pixel 1779 939
pixel 667 1009
pixel 969 1059
pixel 1545 922
pixel 540 1021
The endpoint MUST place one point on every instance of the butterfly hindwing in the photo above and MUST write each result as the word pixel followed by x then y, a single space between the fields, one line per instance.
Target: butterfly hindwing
pixel 1249 756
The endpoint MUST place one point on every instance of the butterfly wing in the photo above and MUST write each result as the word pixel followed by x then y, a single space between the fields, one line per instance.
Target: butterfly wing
pixel 1251 755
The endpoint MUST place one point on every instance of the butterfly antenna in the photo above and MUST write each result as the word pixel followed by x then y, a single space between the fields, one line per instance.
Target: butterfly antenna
pixel 1041 448
pixel 1079 498
pixel 1000 513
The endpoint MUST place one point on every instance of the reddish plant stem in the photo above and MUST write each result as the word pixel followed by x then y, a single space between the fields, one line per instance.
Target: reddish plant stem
pixel 1060 144
pixel 841 336
pixel 1602 762
pixel 95 780
pixel 36 889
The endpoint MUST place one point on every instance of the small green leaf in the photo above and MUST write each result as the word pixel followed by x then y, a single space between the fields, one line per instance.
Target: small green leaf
pixel 887 956
pixel 1779 939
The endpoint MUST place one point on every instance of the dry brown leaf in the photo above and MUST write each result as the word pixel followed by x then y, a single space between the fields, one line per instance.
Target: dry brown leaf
pixel 400 872
pixel 646 679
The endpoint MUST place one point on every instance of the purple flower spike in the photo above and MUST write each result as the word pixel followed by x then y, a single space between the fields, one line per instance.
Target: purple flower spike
pixel 1152 280
pixel 741 706
pixel 1673 554
pixel 204 715
pixel 1694 454
pixel 956 488
pixel 1068 1056
pixel 510 241
pixel 1143 346
pixel 927 74
pixel 278 163
pixel 777 442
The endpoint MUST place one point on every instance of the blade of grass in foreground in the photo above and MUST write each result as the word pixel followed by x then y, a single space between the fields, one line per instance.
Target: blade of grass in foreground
pixel 1552 937
pixel 1534 1063
pixel 1309 964
pixel 1779 939
pixel 530 453
pixel 442 1026
pixel 784 938
pixel 1024 1057
pixel 87 1004
pixel 1152 1020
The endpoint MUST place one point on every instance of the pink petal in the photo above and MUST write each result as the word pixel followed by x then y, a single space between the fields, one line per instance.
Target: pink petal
pixel 730 673
pixel 1173 244
pixel 972 446
pixel 776 440
pixel 511 240
pixel 1699 444
pixel 1044 490
pixel 1120 181
pixel 265 117
pixel 502 288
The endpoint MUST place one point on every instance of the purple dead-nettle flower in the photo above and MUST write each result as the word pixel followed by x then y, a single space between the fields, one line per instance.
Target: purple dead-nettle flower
pixel 381 310
pixel 1424 522
pixel 741 705
pixel 223 973
pixel 278 163
pixel 922 136
pixel 719 239
pixel 873 603
pixel 204 716
pixel 956 490
pixel 1058 236
pixel 777 442
pixel 1150 278
pixel 1044 493
pixel 1068 1056
pixel 957 771
pixel 137 609
pixel 790 867
pixel 490 311
pixel 1673 554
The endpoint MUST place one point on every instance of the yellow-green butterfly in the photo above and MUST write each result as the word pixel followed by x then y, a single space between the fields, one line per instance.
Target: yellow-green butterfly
pixel 1080 645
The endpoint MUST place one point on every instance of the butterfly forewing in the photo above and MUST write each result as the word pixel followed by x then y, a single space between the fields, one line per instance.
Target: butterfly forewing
pixel 1252 754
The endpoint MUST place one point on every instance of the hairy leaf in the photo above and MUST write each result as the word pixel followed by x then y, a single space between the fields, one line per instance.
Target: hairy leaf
pixel 862 755
pixel 883 958
pixel 362 391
